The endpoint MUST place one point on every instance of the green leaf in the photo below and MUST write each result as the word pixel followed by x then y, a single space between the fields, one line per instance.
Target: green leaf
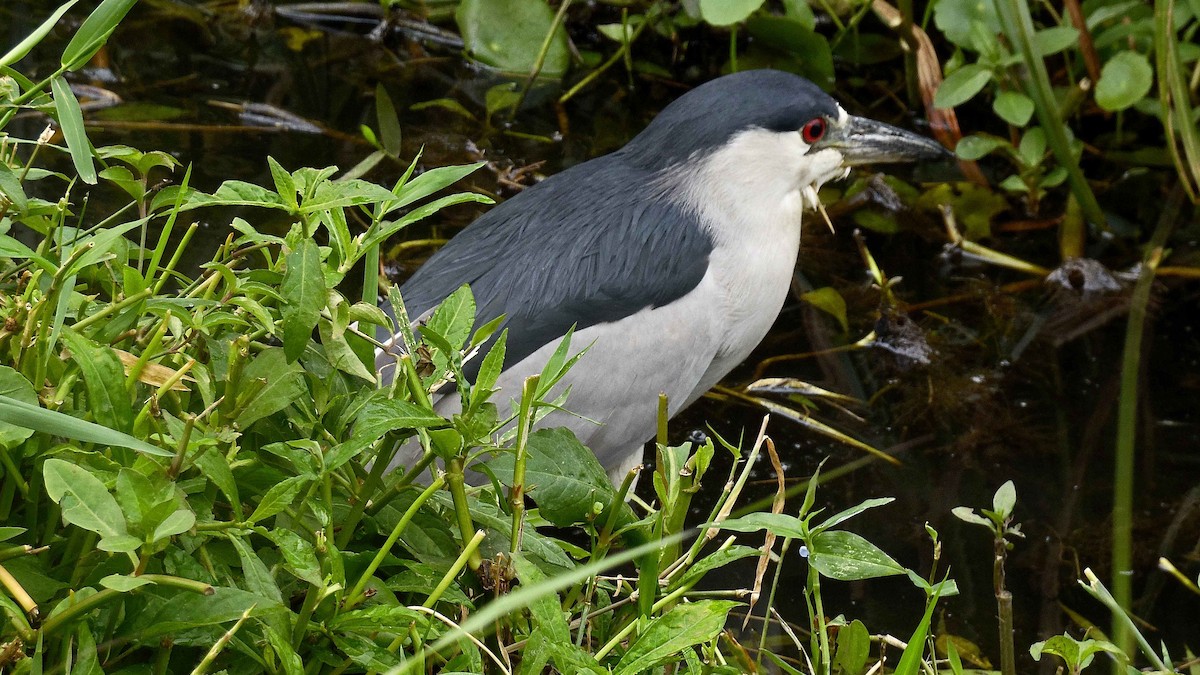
pixel 974 147
pixel 255 574
pixel 108 400
pixel 13 385
pixel 84 500
pixel 561 475
pixel 304 295
pixel 299 556
pixel 178 522
pixel 94 32
pixel 278 498
pixel 846 556
pixel 728 12
pixel 1013 107
pixel 779 524
pixel 285 186
pixel 961 85
pixel 508 35
pixel 545 610
pixel 1125 79
pixel 853 648
pixel 1005 499
pixel 10 188
pixel 284 384
pixel 124 583
pixel 828 300
pixel 24 46
pixel 70 118
pixel 454 317
pixel 1055 39
pixel 165 613
pixel 965 514
pixel 55 423
pixel 954 18
pixel 682 627
pixel 713 561
pixel 421 212
pixel 389 121
pixel 430 182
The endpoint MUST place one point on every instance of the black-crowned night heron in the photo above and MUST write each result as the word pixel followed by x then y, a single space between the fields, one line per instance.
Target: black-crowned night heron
pixel 671 257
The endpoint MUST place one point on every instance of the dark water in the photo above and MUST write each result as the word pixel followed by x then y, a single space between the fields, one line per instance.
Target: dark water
pixel 1005 396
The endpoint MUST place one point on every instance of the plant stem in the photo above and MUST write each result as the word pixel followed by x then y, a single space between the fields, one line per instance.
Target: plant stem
pixel 1018 27
pixel 1127 409
pixel 516 494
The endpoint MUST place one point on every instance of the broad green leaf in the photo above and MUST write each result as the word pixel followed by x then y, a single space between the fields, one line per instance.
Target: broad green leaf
pixel 846 556
pixel 546 612
pixel 847 514
pixel 299 556
pixel 1032 147
pixel 713 561
pixel 954 18
pixel 682 627
pixel 124 582
pixel 430 182
pixel 974 147
pixel 779 524
pixel 389 121
pixel 853 647
pixel 508 35
pixel 789 44
pixel 278 498
pixel 166 612
pixel 1005 499
pixel 58 424
pixel 284 384
pixel 13 385
pixel 70 118
pixel 215 467
pixel 1013 107
pixel 108 400
pixel 178 522
pixel 11 248
pixel 341 355
pixel 230 193
pixel 828 300
pixel 84 500
pixel 332 195
pixel 10 188
pixel 961 85
pixel 284 185
pixel 288 658
pixel 454 317
pixel 490 369
pixel 1125 79
pixel 966 515
pixel 1055 39
pixel 256 577
pixel 94 32
pixel 423 211
pixel 728 12
pixel 364 651
pixel 561 475
pixel 24 46
pixel 304 295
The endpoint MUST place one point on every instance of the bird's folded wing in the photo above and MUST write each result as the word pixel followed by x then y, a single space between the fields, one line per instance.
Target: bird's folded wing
pixel 591 245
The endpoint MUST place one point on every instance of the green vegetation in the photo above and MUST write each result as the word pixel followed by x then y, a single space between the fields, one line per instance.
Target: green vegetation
pixel 192 454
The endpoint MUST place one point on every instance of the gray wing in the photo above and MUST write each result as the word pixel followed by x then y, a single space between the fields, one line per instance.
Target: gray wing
pixel 588 246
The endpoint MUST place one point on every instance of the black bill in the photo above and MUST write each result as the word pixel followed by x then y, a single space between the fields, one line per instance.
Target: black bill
pixel 865 141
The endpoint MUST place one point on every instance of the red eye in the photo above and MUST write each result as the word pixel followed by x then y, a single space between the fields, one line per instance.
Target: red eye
pixel 813 130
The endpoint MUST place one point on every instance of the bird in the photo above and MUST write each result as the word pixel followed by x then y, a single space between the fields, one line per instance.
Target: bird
pixel 670 257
